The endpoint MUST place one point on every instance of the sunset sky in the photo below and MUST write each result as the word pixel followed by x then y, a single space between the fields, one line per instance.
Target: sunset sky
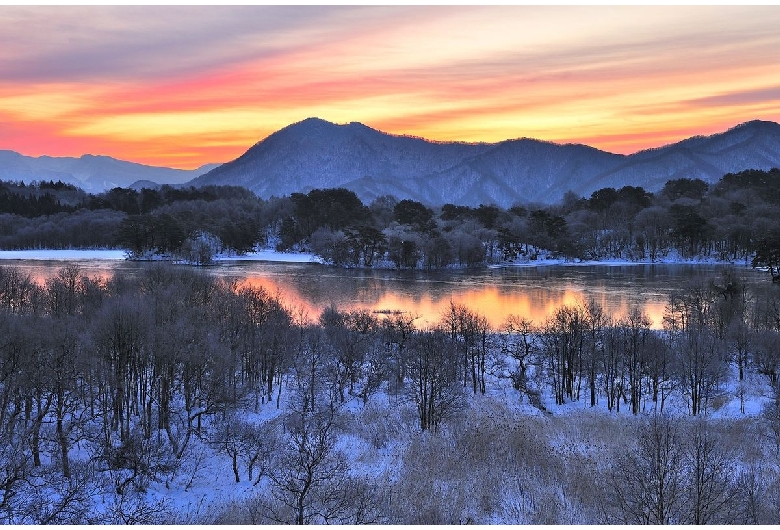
pixel 184 86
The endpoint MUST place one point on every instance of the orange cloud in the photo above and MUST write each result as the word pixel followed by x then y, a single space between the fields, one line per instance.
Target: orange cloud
pixel 183 86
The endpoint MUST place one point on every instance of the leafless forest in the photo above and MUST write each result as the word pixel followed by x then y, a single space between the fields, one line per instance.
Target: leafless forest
pixel 123 398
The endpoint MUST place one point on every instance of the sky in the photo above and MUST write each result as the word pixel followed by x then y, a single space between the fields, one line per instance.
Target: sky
pixel 182 86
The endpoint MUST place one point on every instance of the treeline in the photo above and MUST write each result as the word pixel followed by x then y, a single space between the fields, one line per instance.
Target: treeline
pixel 192 223
pixel 107 385
pixel 730 221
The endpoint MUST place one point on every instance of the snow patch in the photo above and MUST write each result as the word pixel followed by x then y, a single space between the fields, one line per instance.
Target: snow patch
pixel 270 255
pixel 63 255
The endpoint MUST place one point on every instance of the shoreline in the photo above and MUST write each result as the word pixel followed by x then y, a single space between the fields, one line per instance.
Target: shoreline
pixel 121 255
pixel 616 263
pixel 268 255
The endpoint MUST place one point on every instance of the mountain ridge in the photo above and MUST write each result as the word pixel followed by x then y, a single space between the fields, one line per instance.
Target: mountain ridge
pixel 92 173
pixel 315 153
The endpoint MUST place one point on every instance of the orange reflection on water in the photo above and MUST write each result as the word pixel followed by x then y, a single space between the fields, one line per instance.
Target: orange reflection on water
pixel 40 272
pixel 495 303
pixel 289 295
pixel 534 294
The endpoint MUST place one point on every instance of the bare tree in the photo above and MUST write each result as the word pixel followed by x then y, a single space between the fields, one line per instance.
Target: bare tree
pixel 701 366
pixel 255 449
pixel 709 485
pixel 19 294
pixel 310 478
pixel 119 338
pixel 646 487
pixel 349 335
pixel 225 438
pixel 752 499
pixel 433 372
pixel 596 321
pixel 766 356
pixel 397 331
pixel 15 471
pixel 242 442
pixel 468 331
pixel 688 320
pixel 661 369
pixel 138 461
pixel 565 347
pixel 634 330
pixel 64 371
pixel 519 344
pixel 770 415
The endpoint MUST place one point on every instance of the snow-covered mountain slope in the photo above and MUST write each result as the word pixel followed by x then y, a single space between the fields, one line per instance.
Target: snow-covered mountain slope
pixel 318 154
pixel 89 172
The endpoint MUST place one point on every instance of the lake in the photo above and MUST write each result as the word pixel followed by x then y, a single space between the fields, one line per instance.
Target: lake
pixel 534 292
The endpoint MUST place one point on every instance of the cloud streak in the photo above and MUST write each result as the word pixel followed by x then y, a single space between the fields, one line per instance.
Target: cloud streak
pixel 182 85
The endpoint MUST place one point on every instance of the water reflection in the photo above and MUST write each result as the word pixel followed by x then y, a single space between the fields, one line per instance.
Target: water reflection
pixel 496 293
pixel 531 292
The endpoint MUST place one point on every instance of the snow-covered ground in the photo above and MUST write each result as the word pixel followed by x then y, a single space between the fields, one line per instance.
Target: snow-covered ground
pixel 666 260
pixel 271 255
pixel 62 255
pixel 82 254
pixel 378 435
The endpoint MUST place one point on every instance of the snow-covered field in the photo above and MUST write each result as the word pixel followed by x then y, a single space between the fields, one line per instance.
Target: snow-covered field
pixel 378 439
pixel 81 254
pixel 62 255
pixel 270 255
pixel 496 460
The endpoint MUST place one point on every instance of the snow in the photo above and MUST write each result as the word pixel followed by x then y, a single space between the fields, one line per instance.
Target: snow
pixel 115 255
pixel 667 260
pixel 377 434
pixel 271 255
pixel 375 437
pixel 522 170
pixel 378 455
pixel 63 255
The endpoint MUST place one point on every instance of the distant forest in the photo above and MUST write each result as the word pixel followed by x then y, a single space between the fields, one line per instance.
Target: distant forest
pixel 732 220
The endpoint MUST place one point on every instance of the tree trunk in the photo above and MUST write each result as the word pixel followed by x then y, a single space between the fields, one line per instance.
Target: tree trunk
pixel 62 439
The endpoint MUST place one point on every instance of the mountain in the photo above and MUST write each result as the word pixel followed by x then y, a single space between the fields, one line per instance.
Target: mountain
pixel 751 145
pixel 318 154
pixel 91 173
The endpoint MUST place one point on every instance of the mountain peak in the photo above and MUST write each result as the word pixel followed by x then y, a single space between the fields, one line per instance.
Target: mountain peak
pixel 313 120
pixel 89 156
pixel 310 123
pixel 758 125
pixel 316 128
pixel 92 173
pixel 319 123
pixel 316 153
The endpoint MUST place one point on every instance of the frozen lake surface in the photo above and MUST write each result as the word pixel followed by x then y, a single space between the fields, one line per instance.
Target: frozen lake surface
pixel 533 292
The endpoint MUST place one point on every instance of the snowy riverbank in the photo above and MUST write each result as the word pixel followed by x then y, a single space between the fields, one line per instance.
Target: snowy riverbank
pixel 669 259
pixel 62 255
pixel 113 255
pixel 269 255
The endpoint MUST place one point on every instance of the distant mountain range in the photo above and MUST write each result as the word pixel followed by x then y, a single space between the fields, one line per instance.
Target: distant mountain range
pixel 90 173
pixel 318 154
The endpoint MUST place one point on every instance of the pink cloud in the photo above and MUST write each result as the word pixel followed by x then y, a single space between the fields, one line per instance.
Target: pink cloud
pixel 620 79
